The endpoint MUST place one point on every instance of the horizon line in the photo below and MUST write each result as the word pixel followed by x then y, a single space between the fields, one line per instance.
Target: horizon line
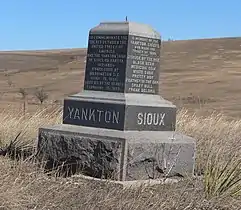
pixel 84 48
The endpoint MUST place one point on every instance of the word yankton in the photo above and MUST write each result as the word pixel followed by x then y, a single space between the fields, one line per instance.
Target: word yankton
pixel 94 115
pixel 150 118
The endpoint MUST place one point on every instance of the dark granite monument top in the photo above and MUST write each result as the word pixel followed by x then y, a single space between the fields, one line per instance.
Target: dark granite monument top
pixel 121 81
pixel 123 57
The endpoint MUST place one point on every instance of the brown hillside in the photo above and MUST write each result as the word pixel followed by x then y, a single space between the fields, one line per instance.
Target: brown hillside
pixel 193 72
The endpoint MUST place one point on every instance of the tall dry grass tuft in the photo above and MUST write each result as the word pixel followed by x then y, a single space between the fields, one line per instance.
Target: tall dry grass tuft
pixel 13 122
pixel 25 186
pixel 222 177
pixel 218 151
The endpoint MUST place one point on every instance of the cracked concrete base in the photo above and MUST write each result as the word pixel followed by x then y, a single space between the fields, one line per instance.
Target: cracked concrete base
pixel 119 155
pixel 129 184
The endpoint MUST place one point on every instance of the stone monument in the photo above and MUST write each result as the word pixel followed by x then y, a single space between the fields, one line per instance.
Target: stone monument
pixel 119 127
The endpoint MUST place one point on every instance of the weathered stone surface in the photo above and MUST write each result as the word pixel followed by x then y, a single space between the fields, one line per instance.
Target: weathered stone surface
pixel 92 155
pixel 153 157
pixel 120 155
pixel 120 111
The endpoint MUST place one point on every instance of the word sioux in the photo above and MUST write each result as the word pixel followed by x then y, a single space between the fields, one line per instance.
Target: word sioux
pixel 94 115
pixel 150 118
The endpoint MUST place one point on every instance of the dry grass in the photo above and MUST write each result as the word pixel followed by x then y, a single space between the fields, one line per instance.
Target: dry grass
pixel 13 123
pixel 25 186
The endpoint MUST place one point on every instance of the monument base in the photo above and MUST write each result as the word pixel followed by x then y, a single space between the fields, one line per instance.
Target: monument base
pixel 117 155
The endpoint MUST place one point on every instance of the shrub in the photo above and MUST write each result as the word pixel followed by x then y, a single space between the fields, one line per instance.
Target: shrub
pixel 41 95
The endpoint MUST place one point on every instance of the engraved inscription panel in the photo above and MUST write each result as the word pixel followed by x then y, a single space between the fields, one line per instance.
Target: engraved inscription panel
pixel 143 64
pixel 106 63
pixel 100 115
pixel 150 118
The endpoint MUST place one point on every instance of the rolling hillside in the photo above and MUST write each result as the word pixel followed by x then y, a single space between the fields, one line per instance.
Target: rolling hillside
pixel 194 73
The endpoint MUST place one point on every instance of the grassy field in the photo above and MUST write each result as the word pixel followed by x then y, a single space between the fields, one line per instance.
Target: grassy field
pixel 26 186
pixel 199 76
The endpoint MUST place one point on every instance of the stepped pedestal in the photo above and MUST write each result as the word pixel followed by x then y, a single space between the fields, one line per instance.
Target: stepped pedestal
pixel 119 127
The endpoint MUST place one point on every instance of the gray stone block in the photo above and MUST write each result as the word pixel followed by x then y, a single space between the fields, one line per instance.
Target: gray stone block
pixel 120 111
pixel 119 155
pixel 156 156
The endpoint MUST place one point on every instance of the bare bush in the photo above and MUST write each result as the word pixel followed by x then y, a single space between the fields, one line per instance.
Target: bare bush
pixel 41 95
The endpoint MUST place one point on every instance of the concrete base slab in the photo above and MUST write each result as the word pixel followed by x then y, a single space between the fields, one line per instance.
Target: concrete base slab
pixel 118 155
pixel 129 184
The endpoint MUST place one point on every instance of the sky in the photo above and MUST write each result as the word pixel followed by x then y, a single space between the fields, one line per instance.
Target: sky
pixel 58 24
